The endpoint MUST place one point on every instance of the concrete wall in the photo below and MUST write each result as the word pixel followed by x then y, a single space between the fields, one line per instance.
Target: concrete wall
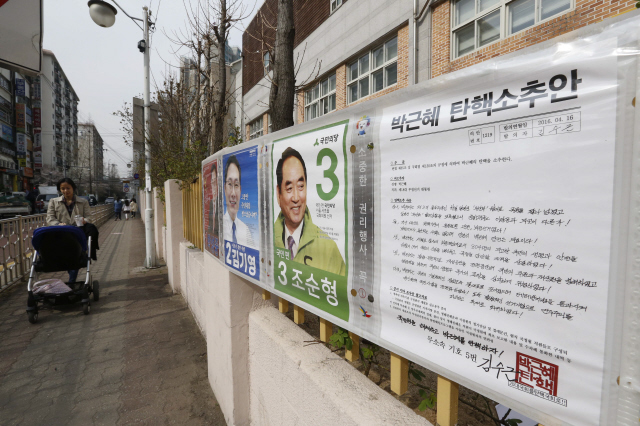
pixel 258 366
pixel 173 198
pixel 158 220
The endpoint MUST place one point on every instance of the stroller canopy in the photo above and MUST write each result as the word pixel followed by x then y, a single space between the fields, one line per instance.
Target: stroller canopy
pixel 66 231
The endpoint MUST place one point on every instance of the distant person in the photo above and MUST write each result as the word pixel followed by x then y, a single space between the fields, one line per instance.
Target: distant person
pixel 233 227
pixel 31 198
pixel 117 208
pixel 293 229
pixel 126 209
pixel 134 207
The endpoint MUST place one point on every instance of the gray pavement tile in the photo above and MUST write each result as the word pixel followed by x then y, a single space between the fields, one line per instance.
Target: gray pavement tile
pixel 118 365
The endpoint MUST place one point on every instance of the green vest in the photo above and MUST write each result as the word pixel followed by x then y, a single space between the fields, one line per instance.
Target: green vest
pixel 316 248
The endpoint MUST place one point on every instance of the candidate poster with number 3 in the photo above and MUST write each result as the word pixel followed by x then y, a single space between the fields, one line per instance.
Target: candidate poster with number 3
pixel 309 184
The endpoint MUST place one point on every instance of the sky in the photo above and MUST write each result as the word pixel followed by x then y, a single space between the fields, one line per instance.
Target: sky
pixel 104 65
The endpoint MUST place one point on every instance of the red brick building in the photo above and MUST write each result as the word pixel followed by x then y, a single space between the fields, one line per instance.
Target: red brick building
pixel 348 52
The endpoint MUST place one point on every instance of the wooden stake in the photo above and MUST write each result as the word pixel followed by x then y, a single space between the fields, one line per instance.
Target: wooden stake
pixel 298 314
pixel 447 409
pixel 399 374
pixel 266 295
pixel 326 330
pixel 354 353
pixel 283 305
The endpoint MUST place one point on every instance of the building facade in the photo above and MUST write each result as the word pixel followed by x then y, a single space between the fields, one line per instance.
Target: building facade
pixel 19 118
pixel 90 162
pixel 233 66
pixel 348 52
pixel 59 111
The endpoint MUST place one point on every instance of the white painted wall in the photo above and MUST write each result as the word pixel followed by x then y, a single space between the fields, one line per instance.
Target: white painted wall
pixel 259 369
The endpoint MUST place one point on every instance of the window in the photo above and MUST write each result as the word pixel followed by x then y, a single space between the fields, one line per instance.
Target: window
pixel 255 129
pixel 266 63
pixel 477 23
pixel 335 4
pixel 373 71
pixel 320 99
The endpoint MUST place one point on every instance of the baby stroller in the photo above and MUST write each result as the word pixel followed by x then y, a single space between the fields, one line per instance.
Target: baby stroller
pixel 60 248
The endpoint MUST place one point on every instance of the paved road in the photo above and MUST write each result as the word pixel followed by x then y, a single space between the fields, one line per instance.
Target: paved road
pixel 137 358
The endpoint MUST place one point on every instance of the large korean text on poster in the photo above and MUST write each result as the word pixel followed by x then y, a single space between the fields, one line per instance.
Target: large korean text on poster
pixel 496 209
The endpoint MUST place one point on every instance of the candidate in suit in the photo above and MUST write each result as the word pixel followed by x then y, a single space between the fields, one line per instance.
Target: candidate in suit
pixel 234 229
pixel 293 229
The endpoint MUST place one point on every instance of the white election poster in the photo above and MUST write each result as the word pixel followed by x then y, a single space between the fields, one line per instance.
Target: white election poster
pixel 496 216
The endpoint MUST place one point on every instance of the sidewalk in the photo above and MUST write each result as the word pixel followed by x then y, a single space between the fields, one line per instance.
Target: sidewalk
pixel 137 358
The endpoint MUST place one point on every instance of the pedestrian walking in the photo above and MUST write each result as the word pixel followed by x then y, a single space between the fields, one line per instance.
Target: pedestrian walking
pixel 134 207
pixel 69 210
pixel 126 209
pixel 117 208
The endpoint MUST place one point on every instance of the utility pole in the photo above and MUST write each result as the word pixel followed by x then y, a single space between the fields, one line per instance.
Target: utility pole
pixel 148 213
pixel 90 165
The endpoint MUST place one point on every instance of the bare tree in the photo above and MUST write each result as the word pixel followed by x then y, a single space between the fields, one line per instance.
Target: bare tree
pixel 283 91
pixel 274 30
pixel 205 40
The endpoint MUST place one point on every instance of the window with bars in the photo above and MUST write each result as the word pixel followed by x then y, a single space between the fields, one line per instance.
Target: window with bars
pixel 477 23
pixel 373 71
pixel 255 129
pixel 320 99
pixel 335 4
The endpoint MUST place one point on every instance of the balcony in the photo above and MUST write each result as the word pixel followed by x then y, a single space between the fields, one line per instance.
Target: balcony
pixel 58 132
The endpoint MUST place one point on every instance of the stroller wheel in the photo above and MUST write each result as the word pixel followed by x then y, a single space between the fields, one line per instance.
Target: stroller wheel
pixel 86 308
pixel 96 291
pixel 33 317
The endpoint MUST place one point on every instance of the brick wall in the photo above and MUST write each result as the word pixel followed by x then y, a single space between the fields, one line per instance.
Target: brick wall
pixel 341 77
pixel 585 13
pixel 260 35
pixel 341 87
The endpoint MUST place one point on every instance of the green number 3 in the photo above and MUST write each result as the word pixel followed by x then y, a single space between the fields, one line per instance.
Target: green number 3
pixel 329 174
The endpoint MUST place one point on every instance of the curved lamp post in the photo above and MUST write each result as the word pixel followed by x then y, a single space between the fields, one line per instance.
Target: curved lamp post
pixel 104 14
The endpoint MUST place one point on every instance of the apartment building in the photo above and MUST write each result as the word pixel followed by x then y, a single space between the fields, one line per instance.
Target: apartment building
pixel 59 111
pixel 233 65
pixel 90 163
pixel 18 119
pixel 349 52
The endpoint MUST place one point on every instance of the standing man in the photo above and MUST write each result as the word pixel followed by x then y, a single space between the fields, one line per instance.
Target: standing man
pixel 293 230
pixel 234 229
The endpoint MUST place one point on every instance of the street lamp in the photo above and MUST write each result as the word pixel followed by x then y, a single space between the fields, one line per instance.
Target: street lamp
pixel 104 14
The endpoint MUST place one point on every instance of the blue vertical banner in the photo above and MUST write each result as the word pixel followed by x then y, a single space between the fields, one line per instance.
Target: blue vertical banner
pixel 241 220
pixel 20 90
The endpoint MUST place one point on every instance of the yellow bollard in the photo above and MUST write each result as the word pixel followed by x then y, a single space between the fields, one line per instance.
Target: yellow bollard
pixel 298 314
pixel 283 305
pixel 447 408
pixel 354 353
pixel 326 330
pixel 399 374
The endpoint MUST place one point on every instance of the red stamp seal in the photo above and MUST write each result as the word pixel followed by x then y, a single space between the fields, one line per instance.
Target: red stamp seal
pixel 536 373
